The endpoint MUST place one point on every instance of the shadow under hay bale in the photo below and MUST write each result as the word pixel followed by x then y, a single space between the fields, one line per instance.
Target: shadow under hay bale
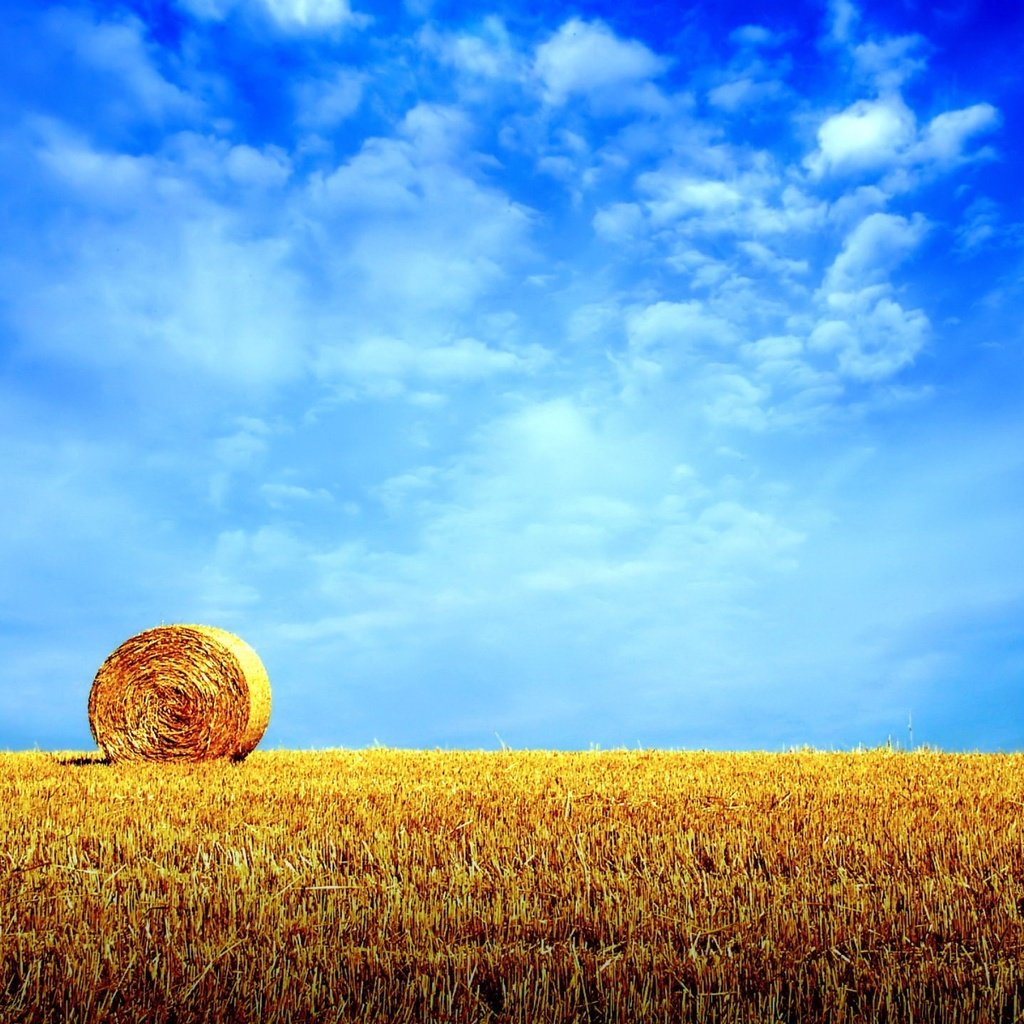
pixel 180 693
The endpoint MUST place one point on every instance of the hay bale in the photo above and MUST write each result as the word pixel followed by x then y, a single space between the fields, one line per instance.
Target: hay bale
pixel 180 693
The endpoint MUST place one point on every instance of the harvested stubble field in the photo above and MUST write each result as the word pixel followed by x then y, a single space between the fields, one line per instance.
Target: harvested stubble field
pixel 387 885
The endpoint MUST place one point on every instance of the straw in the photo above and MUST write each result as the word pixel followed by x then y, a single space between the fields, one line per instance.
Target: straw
pixel 180 693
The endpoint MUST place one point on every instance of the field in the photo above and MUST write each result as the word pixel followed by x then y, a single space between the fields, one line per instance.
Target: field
pixel 515 886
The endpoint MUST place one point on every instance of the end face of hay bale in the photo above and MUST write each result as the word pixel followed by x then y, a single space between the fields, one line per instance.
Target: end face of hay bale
pixel 180 693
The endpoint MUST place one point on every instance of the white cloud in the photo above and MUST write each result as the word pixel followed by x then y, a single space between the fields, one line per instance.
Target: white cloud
pixel 309 13
pixel 867 135
pixel 411 223
pixel 290 15
pixel 677 326
pixel 756 35
pixel 248 568
pixel 289 495
pixel 324 103
pixel 676 195
pixel 587 58
pixel 170 285
pixel 119 48
pixel 855 204
pixel 386 366
pixel 381 177
pixel 981 225
pixel 561 167
pixel 619 222
pixel 771 261
pixel 408 173
pixel 871 335
pixel 747 196
pixel 103 178
pixel 843 15
pixel 882 135
pixel 209 10
pixel 175 178
pixel 262 168
pixel 488 54
pixel 774 349
pixel 228 307
pixel 735 401
pixel 594 321
pixel 437 132
pixel 873 248
pixel 740 533
pixel 80 510
pixel 946 135
pixel 741 93
pixel 246 446
pixel 559 497
pixel 397 492
pixel 890 62
pixel 874 343
pixel 236 455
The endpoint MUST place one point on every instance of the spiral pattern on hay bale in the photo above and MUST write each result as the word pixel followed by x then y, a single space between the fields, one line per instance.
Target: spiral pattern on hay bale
pixel 180 693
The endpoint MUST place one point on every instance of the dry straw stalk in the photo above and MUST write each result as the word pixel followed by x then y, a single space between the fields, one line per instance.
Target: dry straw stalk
pixel 180 693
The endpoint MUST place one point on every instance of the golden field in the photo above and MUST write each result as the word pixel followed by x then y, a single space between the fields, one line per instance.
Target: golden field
pixel 516 886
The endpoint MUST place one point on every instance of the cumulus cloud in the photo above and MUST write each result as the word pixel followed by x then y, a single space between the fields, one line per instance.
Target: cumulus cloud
pixel 289 15
pixel 436 131
pixel 393 175
pixel 946 135
pixel 734 400
pixel 677 326
pixel 381 177
pixel 888 63
pixel 872 249
pixel 742 93
pixel 323 103
pixel 673 194
pixel 619 222
pixel 871 335
pixel 981 225
pixel 867 135
pixel 114 66
pixel 746 202
pixel 879 135
pixel 309 13
pixel 120 48
pixel 108 179
pixel 770 260
pixel 879 339
pixel 488 54
pixel 262 168
pixel 588 59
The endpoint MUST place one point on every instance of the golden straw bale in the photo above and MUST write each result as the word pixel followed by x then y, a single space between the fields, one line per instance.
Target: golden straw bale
pixel 180 693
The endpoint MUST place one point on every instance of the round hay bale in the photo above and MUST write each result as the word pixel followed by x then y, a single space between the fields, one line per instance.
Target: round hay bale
pixel 180 693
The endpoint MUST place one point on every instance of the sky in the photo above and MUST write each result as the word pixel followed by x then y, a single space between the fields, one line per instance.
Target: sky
pixel 550 376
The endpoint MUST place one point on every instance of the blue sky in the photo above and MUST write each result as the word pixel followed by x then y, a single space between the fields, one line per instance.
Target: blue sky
pixel 575 374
